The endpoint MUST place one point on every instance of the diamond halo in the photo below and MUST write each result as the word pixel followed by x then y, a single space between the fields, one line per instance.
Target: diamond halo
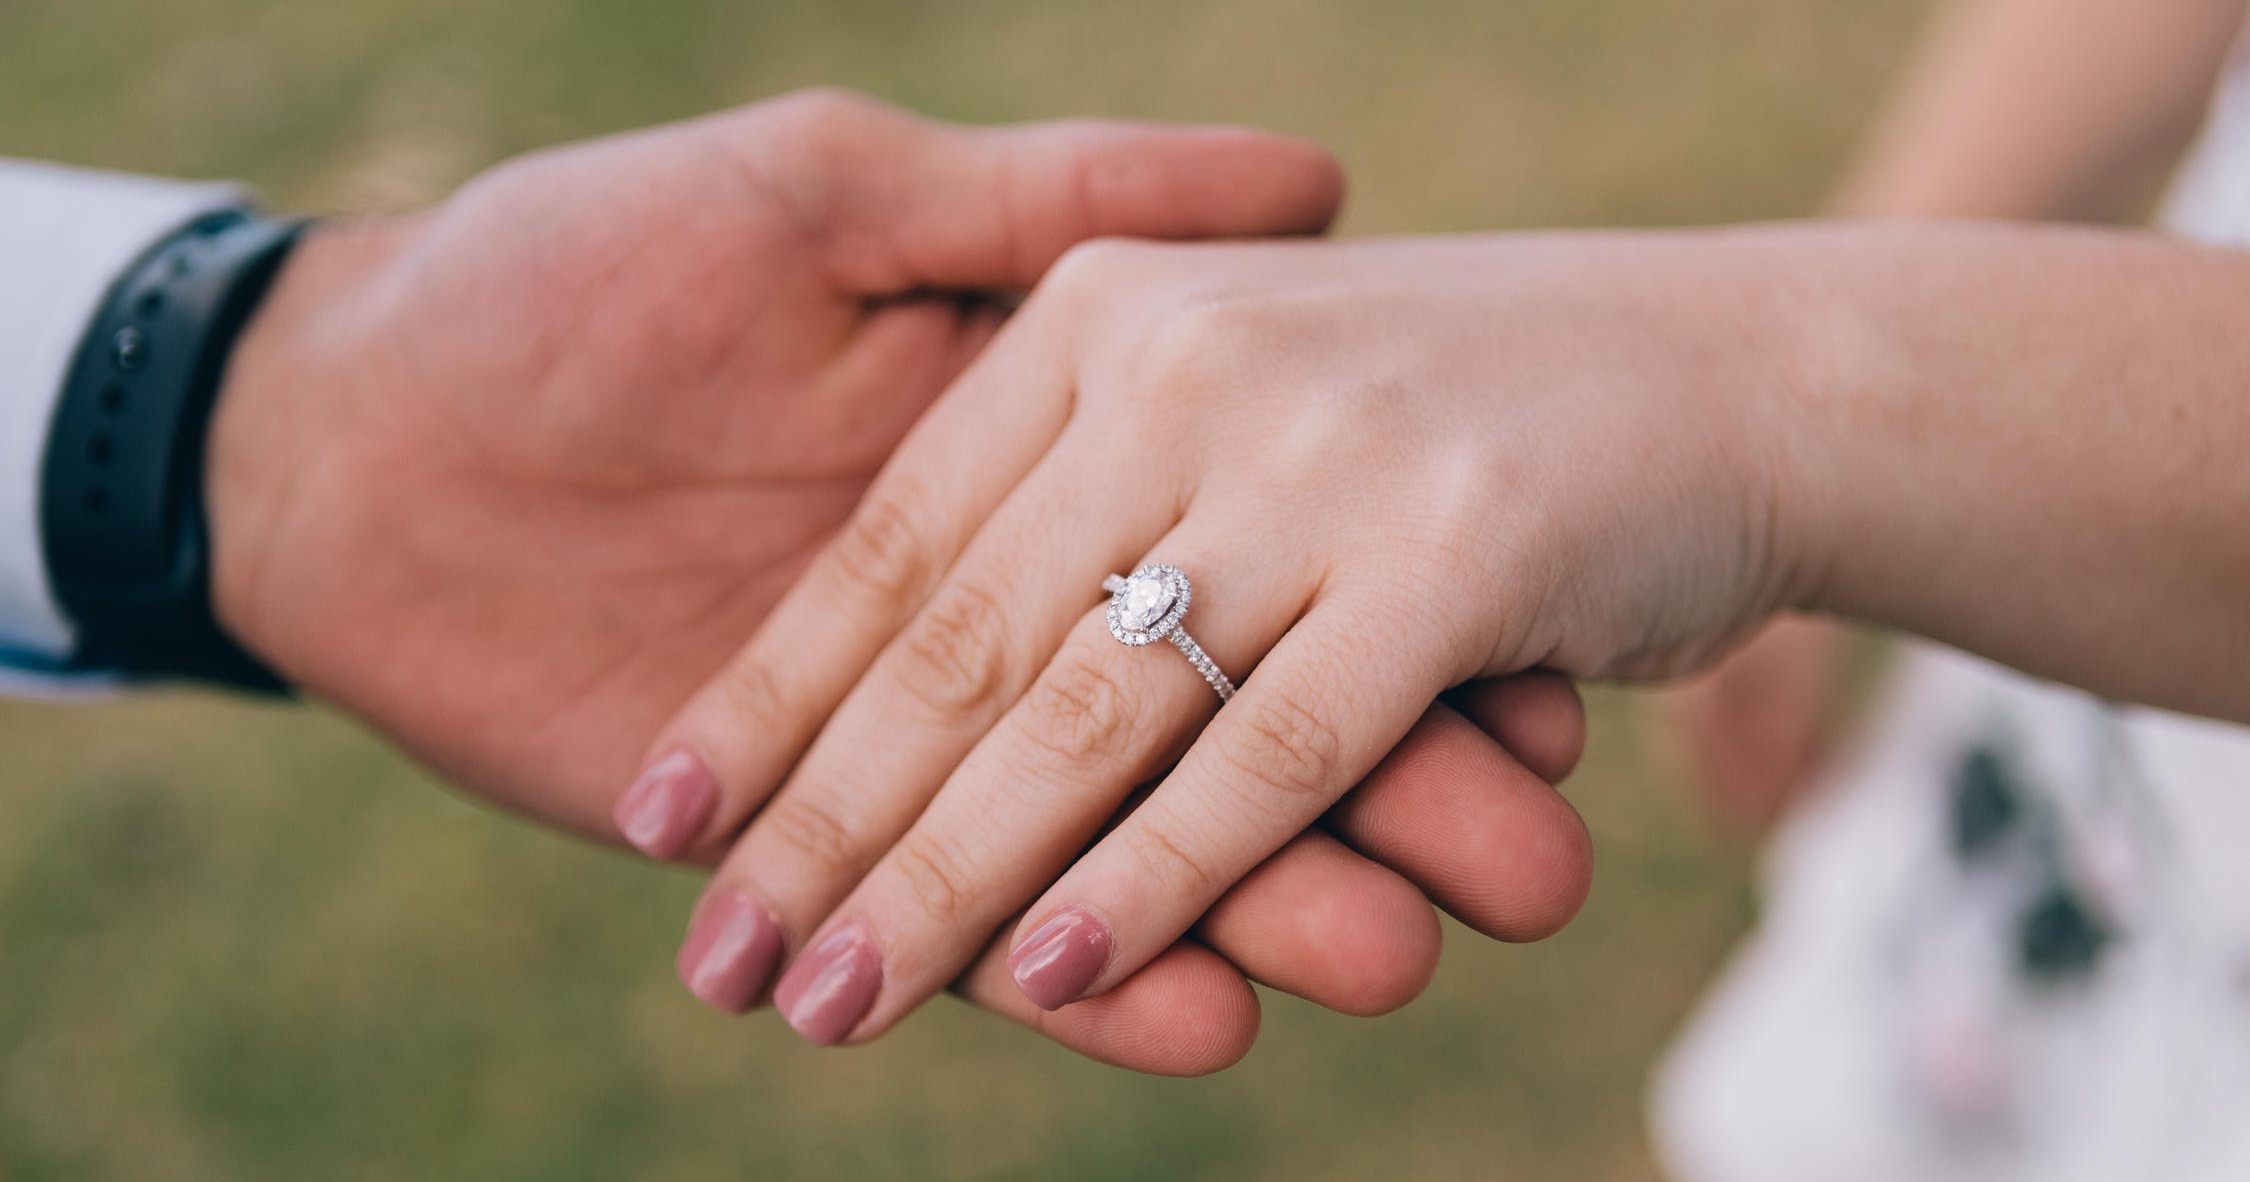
pixel 1145 606
pixel 1148 605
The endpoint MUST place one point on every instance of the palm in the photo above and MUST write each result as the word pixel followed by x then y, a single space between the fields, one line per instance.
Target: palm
pixel 646 436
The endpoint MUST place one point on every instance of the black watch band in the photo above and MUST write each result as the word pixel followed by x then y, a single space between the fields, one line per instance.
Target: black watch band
pixel 121 512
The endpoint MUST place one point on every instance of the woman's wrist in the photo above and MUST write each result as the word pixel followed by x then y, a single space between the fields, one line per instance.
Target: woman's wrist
pixel 1875 389
pixel 2022 440
pixel 1921 382
pixel 1777 360
pixel 1825 358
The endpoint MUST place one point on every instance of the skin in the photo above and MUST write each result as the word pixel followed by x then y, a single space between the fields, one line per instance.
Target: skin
pixel 2016 440
pixel 2014 109
pixel 510 477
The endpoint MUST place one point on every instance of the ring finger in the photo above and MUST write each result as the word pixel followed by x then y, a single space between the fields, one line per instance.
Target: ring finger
pixel 1100 719
pixel 926 700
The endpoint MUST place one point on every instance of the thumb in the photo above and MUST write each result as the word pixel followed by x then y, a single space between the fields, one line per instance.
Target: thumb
pixel 910 203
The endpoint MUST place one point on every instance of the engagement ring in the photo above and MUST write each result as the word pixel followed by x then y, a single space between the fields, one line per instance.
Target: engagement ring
pixel 1148 605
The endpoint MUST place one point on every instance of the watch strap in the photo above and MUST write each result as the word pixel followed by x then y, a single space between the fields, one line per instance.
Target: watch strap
pixel 122 518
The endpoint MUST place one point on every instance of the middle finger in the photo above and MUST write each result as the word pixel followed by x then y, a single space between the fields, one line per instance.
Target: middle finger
pixel 962 661
pixel 1100 719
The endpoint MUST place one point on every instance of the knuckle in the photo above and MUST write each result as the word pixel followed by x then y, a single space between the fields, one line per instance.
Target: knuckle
pixel 1177 345
pixel 806 825
pixel 798 150
pixel 817 111
pixel 1280 745
pixel 953 658
pixel 936 875
pixel 1090 268
pixel 879 550
pixel 1079 711
pixel 751 688
pixel 1164 858
pixel 1333 427
pixel 1210 342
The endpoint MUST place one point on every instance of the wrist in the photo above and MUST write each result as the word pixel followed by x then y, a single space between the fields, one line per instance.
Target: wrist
pixel 1773 377
pixel 279 420
pixel 1826 357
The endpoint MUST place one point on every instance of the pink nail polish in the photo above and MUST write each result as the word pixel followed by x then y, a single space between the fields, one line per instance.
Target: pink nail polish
pixel 730 951
pixel 1054 965
pixel 668 805
pixel 830 988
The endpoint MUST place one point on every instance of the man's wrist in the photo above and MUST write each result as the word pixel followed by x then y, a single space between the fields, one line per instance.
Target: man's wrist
pixel 122 516
pixel 275 422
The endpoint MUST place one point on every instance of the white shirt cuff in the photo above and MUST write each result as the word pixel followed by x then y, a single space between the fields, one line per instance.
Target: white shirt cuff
pixel 66 235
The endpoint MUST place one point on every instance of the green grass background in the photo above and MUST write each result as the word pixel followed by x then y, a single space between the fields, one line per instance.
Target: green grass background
pixel 241 942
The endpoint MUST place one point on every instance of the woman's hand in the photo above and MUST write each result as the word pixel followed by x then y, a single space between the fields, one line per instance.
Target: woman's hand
pixel 1389 468
pixel 510 478
pixel 1463 806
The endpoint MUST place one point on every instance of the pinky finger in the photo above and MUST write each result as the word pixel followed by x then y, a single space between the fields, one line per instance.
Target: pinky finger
pixel 1314 718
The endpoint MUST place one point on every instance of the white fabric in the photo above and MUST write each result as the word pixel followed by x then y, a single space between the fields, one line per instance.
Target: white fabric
pixel 1875 1028
pixel 1879 1025
pixel 65 236
pixel 2210 198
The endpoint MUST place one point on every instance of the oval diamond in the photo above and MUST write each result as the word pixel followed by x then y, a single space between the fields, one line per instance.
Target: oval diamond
pixel 1145 599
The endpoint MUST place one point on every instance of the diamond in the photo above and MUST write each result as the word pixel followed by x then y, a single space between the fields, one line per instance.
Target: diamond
pixel 1145 599
pixel 1147 607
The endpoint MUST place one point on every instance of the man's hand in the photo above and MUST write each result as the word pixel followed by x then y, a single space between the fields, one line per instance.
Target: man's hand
pixel 508 477
pixel 511 477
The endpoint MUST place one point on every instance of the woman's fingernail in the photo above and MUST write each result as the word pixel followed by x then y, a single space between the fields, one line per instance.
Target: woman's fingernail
pixel 668 805
pixel 829 990
pixel 1054 965
pixel 730 951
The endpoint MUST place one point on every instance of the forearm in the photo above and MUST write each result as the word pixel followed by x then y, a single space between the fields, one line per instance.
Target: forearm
pixel 2030 442
pixel 2041 108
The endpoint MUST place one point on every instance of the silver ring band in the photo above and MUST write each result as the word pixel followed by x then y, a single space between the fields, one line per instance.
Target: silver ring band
pixel 1148 605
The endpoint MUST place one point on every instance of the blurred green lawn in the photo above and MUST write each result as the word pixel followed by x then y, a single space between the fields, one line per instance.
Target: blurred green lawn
pixel 241 942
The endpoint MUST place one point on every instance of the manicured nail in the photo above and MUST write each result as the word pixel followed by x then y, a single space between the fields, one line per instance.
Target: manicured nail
pixel 829 990
pixel 1054 965
pixel 730 952
pixel 668 805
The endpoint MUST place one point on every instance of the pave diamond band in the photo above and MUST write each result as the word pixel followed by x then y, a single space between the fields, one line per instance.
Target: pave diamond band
pixel 1148 605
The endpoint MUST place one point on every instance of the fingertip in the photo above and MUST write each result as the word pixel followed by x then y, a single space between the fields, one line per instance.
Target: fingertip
pixel 1188 1013
pixel 1380 952
pixel 1545 864
pixel 1323 923
pixel 732 947
pixel 1537 715
pixel 667 805
pixel 1474 830
pixel 1304 178
pixel 980 208
pixel 1153 180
